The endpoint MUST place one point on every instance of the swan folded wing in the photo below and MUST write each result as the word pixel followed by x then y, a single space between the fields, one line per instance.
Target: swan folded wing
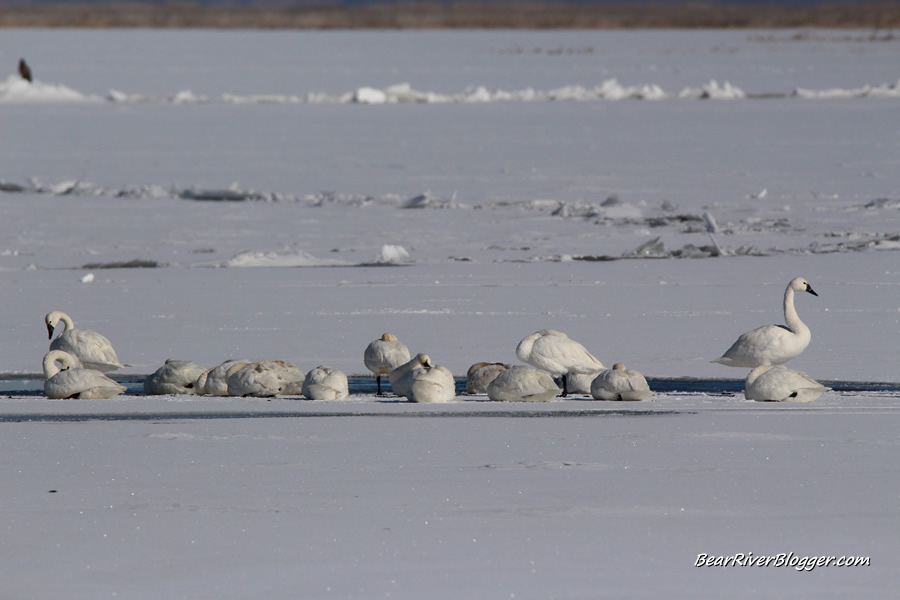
pixel 769 344
pixel 93 349
pixel 85 384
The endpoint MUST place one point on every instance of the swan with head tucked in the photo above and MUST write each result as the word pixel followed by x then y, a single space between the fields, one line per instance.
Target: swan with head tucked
pixel 481 374
pixel 772 344
pixel 398 377
pixel 430 384
pixel 419 380
pixel 523 384
pixel 75 381
pixel 325 383
pixel 554 352
pixel 175 377
pixel 778 383
pixel 215 381
pixel 384 355
pixel 619 383
pixel 266 379
pixel 91 348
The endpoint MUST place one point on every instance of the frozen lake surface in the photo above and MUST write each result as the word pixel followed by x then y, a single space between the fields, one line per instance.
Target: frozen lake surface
pixel 293 195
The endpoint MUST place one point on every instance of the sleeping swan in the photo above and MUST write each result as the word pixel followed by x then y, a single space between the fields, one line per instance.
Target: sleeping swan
pixel 523 384
pixel 384 355
pixel 619 383
pixel 174 377
pixel 92 349
pixel 325 383
pixel 553 351
pixel 772 344
pixel 74 381
pixel 778 383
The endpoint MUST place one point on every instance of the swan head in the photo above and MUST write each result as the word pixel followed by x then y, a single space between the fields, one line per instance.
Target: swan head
pixel 799 284
pixel 618 367
pixel 51 321
pixel 424 360
pixel 388 337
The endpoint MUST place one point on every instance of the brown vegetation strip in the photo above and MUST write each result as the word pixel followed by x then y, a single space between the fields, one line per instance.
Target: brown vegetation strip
pixel 527 14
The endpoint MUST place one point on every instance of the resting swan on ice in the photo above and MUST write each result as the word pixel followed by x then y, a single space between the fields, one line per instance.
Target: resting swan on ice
pixel 619 383
pixel 481 374
pixel 325 383
pixel 523 384
pixel 384 355
pixel 75 381
pixel 174 377
pixel 91 348
pixel 553 351
pixel 772 344
pixel 422 381
pixel 778 383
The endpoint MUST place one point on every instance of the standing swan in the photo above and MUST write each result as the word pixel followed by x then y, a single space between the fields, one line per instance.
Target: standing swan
pixel 92 349
pixel 555 353
pixel 384 355
pixel 772 344
pixel 778 383
pixel 74 381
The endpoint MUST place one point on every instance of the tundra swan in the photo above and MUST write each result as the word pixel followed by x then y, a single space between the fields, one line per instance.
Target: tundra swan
pixel 430 384
pixel 91 348
pixel 398 376
pixel 266 379
pixel 778 383
pixel 215 381
pixel 325 383
pixel 384 355
pixel 75 381
pixel 523 384
pixel 619 383
pixel 481 374
pixel 174 377
pixel 419 380
pixel 554 352
pixel 772 344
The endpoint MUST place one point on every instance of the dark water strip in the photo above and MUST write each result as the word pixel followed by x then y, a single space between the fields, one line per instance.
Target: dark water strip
pixel 31 385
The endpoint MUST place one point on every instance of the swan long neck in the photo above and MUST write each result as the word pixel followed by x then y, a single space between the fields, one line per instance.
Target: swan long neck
pixel 49 364
pixel 66 320
pixel 791 318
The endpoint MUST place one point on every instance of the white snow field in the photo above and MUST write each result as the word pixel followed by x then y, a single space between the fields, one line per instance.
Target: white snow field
pixel 208 195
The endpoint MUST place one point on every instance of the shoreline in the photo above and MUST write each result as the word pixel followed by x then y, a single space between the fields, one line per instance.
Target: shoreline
pixel 457 15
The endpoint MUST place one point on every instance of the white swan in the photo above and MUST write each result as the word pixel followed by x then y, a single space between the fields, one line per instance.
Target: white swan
pixel 772 344
pixel 430 383
pixel 554 352
pixel 419 380
pixel 523 384
pixel 384 355
pixel 398 376
pixel 580 383
pixel 91 348
pixel 174 377
pixel 325 383
pixel 266 379
pixel 75 381
pixel 481 374
pixel 619 383
pixel 215 381
pixel 778 383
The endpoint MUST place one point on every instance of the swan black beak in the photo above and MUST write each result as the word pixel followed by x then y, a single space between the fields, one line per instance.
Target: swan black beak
pixel 50 331
pixel 811 291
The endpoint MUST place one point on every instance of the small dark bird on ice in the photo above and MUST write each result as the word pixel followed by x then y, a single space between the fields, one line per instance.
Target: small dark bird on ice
pixel 24 70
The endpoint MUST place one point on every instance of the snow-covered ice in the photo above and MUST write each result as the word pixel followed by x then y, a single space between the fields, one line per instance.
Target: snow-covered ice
pixel 649 193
